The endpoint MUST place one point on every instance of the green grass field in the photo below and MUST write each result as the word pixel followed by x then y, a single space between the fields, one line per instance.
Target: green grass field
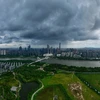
pixel 51 92
pixel 92 79
pixel 68 81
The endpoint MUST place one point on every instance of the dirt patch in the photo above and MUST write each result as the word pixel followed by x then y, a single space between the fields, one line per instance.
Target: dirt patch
pixel 76 90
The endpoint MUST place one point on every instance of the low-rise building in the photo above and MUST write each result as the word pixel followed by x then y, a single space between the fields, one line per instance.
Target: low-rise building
pixel 14 88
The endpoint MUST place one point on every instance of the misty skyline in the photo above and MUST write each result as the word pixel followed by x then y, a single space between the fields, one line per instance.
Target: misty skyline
pixel 73 23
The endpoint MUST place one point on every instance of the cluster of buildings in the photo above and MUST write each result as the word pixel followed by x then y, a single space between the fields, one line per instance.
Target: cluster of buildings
pixel 81 53
pixel 5 66
pixel 90 53
pixel 30 51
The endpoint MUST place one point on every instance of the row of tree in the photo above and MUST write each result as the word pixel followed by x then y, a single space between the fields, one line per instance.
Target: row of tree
pixel 55 67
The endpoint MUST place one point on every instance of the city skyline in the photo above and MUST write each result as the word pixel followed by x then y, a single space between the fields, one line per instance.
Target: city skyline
pixel 73 23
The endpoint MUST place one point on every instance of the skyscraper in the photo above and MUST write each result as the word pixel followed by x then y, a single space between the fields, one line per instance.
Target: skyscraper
pixel 59 46
pixel 29 47
pixel 48 48
pixel 20 48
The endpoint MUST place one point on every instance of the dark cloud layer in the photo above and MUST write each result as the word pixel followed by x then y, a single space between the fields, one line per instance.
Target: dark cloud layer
pixel 49 21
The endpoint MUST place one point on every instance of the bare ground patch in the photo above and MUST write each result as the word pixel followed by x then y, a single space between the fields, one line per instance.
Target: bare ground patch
pixel 76 90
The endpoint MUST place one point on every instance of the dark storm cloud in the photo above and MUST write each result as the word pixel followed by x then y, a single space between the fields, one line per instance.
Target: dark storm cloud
pixel 96 24
pixel 48 21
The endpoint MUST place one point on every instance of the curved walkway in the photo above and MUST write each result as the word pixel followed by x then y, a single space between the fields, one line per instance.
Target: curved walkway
pixel 32 98
pixel 19 87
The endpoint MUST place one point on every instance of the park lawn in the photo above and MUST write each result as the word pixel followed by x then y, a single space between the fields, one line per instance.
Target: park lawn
pixel 93 79
pixel 48 93
pixel 65 80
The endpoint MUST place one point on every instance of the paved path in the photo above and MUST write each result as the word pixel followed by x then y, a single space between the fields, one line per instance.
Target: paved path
pixel 19 84
pixel 32 98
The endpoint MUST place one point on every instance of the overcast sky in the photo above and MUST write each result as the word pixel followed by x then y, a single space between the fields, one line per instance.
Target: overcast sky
pixel 74 23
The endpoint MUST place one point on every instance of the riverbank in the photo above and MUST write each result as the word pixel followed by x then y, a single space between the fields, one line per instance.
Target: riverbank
pixel 72 58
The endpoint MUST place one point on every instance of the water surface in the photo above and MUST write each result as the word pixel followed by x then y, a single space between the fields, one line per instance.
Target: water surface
pixel 27 88
pixel 79 63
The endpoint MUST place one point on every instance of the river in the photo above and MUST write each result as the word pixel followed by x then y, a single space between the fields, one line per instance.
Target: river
pixel 27 88
pixel 79 63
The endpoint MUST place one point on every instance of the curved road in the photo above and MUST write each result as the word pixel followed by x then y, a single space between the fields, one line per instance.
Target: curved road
pixel 32 98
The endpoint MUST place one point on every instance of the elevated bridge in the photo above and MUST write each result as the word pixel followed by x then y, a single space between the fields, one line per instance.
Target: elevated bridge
pixel 38 60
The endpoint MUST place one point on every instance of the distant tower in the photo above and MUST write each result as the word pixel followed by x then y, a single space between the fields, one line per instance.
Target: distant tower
pixel 20 48
pixel 48 48
pixel 29 47
pixel 51 50
pixel 59 46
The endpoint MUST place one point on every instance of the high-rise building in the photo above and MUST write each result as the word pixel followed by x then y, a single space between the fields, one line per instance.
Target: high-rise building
pixel 59 46
pixel 48 48
pixel 59 50
pixel 29 47
pixel 51 50
pixel 20 48
pixel 3 52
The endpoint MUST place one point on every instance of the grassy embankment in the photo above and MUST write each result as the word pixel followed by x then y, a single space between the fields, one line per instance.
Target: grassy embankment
pixel 92 80
pixel 68 80
pixel 53 91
